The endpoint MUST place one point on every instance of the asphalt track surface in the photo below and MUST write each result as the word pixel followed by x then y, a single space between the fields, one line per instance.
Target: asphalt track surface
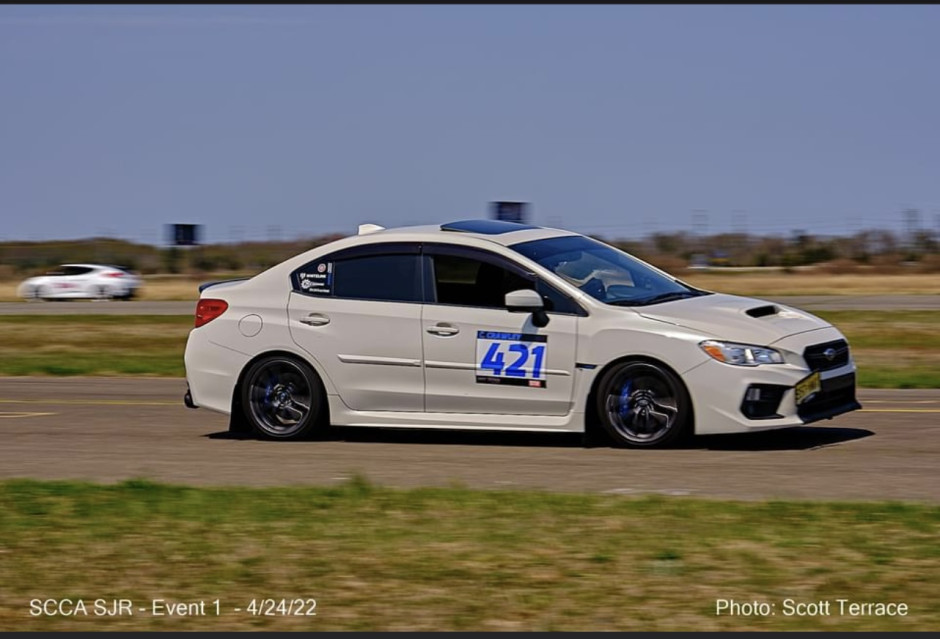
pixel 806 302
pixel 111 429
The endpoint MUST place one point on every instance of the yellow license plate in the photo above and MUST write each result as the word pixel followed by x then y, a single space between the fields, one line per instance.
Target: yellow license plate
pixel 807 387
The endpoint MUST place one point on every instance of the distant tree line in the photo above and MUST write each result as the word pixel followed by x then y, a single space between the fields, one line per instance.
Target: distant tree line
pixel 873 247
pixel 670 251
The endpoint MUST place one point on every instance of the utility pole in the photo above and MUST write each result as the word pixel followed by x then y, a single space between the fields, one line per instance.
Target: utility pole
pixel 854 225
pixel 912 225
pixel 700 228
pixel 700 222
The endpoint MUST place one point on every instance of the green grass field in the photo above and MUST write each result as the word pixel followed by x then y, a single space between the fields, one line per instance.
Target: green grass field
pixel 93 344
pixel 458 559
pixel 893 349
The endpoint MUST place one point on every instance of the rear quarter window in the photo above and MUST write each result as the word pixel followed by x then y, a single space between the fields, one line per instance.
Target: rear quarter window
pixel 381 278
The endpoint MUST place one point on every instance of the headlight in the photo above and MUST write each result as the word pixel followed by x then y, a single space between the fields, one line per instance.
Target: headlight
pixel 741 354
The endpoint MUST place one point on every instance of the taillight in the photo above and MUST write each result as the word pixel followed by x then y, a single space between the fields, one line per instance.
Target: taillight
pixel 114 274
pixel 209 309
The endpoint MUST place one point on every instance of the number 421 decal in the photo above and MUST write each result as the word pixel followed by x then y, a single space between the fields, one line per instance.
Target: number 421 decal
pixel 511 358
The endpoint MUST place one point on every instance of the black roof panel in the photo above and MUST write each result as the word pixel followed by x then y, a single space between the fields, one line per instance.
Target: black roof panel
pixel 486 227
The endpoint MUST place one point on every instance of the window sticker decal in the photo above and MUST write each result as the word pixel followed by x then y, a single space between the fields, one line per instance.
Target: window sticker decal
pixel 318 281
pixel 516 359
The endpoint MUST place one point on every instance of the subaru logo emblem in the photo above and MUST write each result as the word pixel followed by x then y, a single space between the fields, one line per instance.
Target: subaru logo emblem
pixel 829 354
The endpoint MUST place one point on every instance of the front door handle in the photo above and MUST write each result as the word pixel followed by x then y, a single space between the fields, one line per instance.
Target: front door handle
pixel 444 330
pixel 315 319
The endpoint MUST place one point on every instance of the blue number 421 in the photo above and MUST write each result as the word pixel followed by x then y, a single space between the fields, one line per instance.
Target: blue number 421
pixel 493 360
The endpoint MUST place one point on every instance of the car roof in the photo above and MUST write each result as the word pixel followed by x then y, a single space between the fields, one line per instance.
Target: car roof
pixel 496 231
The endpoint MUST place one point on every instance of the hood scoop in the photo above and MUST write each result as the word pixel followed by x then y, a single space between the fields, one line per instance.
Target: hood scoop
pixel 730 317
pixel 762 311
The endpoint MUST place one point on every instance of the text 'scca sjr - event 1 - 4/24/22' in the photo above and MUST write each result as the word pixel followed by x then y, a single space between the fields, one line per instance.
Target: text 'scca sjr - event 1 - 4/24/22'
pixel 267 607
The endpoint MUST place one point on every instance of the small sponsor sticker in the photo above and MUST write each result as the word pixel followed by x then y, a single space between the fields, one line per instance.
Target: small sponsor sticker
pixel 319 281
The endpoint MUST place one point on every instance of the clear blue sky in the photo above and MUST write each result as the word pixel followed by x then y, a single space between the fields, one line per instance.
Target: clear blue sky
pixel 294 121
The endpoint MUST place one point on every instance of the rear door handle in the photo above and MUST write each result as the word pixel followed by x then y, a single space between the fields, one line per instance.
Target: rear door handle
pixel 444 330
pixel 315 319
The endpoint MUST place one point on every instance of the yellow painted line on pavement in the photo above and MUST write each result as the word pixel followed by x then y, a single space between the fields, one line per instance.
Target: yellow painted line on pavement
pixel 90 402
pixel 900 410
pixel 14 415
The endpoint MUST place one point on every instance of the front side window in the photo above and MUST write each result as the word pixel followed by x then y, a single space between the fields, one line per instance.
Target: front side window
pixel 68 271
pixel 382 278
pixel 467 281
pixel 603 272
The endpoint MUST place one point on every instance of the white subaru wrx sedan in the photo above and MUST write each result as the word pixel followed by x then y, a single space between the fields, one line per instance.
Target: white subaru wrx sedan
pixel 81 281
pixel 484 324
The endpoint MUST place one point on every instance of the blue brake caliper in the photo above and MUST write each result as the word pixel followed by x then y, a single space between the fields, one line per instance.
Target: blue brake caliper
pixel 625 399
pixel 269 390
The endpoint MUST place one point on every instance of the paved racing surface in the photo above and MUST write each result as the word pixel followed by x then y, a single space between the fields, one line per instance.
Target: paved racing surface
pixel 806 302
pixel 110 429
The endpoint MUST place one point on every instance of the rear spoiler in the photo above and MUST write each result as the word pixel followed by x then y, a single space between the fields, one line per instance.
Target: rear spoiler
pixel 206 285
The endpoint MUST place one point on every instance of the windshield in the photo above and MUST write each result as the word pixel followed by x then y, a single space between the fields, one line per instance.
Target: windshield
pixel 603 272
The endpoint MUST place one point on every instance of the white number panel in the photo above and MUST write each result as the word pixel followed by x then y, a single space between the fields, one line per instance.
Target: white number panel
pixel 511 358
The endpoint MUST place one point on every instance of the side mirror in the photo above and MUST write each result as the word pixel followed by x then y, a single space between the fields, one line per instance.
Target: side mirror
pixel 527 301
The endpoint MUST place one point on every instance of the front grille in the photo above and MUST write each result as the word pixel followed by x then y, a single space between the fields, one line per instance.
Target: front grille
pixel 836 397
pixel 818 357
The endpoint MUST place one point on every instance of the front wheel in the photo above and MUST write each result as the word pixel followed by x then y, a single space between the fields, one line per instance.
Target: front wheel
pixel 643 404
pixel 282 398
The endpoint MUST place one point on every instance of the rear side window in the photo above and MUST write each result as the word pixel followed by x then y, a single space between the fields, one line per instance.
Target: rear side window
pixel 381 278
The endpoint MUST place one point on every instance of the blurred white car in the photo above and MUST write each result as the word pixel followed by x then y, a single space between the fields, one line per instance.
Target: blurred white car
pixel 81 281
pixel 482 324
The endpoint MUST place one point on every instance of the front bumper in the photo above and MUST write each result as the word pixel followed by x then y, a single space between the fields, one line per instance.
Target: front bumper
pixel 718 392
pixel 836 397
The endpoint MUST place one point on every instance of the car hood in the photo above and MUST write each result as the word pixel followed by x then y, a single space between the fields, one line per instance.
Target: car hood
pixel 734 318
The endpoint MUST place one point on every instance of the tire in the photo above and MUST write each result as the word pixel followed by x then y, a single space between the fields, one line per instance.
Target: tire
pixel 282 398
pixel 643 404
pixel 42 293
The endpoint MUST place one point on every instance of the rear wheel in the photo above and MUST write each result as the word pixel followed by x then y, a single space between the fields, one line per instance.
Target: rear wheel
pixel 282 398
pixel 643 404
